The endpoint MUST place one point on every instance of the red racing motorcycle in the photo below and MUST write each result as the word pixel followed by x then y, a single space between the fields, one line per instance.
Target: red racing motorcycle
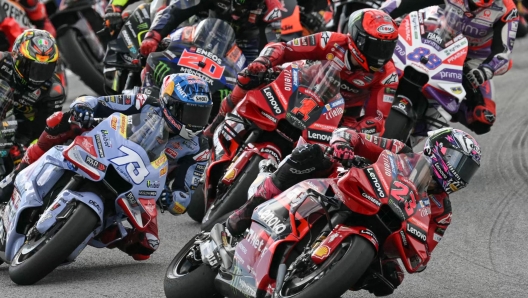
pixel 319 238
pixel 300 100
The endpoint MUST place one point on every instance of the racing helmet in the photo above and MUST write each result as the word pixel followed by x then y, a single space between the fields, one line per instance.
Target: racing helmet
pixel 373 36
pixel 455 157
pixel 186 104
pixel 35 56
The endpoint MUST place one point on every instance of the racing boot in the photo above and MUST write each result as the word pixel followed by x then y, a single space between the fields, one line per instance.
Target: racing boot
pixel 479 118
pixel 138 245
pixel 384 283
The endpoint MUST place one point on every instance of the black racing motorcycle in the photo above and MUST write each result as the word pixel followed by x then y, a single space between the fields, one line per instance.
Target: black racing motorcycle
pixel 77 22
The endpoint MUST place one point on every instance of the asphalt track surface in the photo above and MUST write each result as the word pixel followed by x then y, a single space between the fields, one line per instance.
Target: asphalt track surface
pixel 483 253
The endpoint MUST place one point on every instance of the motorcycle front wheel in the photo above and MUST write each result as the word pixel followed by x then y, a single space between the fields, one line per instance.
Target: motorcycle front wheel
pixel 336 275
pixel 196 208
pixel 82 62
pixel 186 278
pixel 42 253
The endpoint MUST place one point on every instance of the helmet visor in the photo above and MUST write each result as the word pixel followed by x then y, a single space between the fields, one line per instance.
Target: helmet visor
pixel 35 72
pixel 377 51
pixel 463 164
pixel 193 116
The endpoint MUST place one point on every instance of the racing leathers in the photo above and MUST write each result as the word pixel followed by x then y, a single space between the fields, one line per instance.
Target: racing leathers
pixel 308 162
pixel 30 108
pixel 10 28
pixel 491 34
pixel 368 96
pixel 254 26
pixel 186 158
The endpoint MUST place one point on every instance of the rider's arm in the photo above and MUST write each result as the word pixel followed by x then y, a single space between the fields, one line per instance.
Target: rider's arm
pixel 104 106
pixel 312 47
pixel 379 104
pixel 176 13
pixel 366 145
pixel 187 163
pixel 397 8
pixel 504 32
pixel 440 219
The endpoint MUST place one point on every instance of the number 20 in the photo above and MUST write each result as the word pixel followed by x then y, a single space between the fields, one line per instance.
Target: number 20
pixel 135 168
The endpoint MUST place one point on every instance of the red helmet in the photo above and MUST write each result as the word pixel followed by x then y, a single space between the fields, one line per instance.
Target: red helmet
pixel 374 35
pixel 476 4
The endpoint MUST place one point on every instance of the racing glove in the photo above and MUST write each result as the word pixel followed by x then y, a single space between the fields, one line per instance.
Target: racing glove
pixel 260 65
pixel 150 43
pixel 343 152
pixel 479 75
pixel 112 17
pixel 312 20
pixel 82 115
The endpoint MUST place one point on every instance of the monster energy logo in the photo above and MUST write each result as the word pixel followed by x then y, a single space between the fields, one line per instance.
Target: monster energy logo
pixel 160 72
pixel 224 93
pixel 142 26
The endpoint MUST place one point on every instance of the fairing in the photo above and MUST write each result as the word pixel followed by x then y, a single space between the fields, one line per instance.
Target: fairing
pixel 187 53
pixel 425 48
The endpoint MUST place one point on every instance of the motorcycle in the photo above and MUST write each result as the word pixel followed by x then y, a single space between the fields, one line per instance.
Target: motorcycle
pixel 319 238
pixel 76 23
pixel 207 50
pixel 68 197
pixel 432 84
pixel 266 126
pixel 122 59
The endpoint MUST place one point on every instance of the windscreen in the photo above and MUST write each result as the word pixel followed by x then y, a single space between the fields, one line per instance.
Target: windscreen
pixel 214 35
pixel 416 168
pixel 316 85
pixel 451 22
pixel 147 130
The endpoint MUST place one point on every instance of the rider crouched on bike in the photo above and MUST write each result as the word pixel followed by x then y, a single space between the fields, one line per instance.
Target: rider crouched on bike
pixel 185 104
pixel 368 76
pixel 36 12
pixel 29 69
pixel 255 22
pixel 490 28
pixel 453 157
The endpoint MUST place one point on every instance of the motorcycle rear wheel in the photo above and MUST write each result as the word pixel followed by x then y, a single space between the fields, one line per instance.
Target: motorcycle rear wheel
pixel 185 280
pixel 60 241
pixel 235 196
pixel 340 271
